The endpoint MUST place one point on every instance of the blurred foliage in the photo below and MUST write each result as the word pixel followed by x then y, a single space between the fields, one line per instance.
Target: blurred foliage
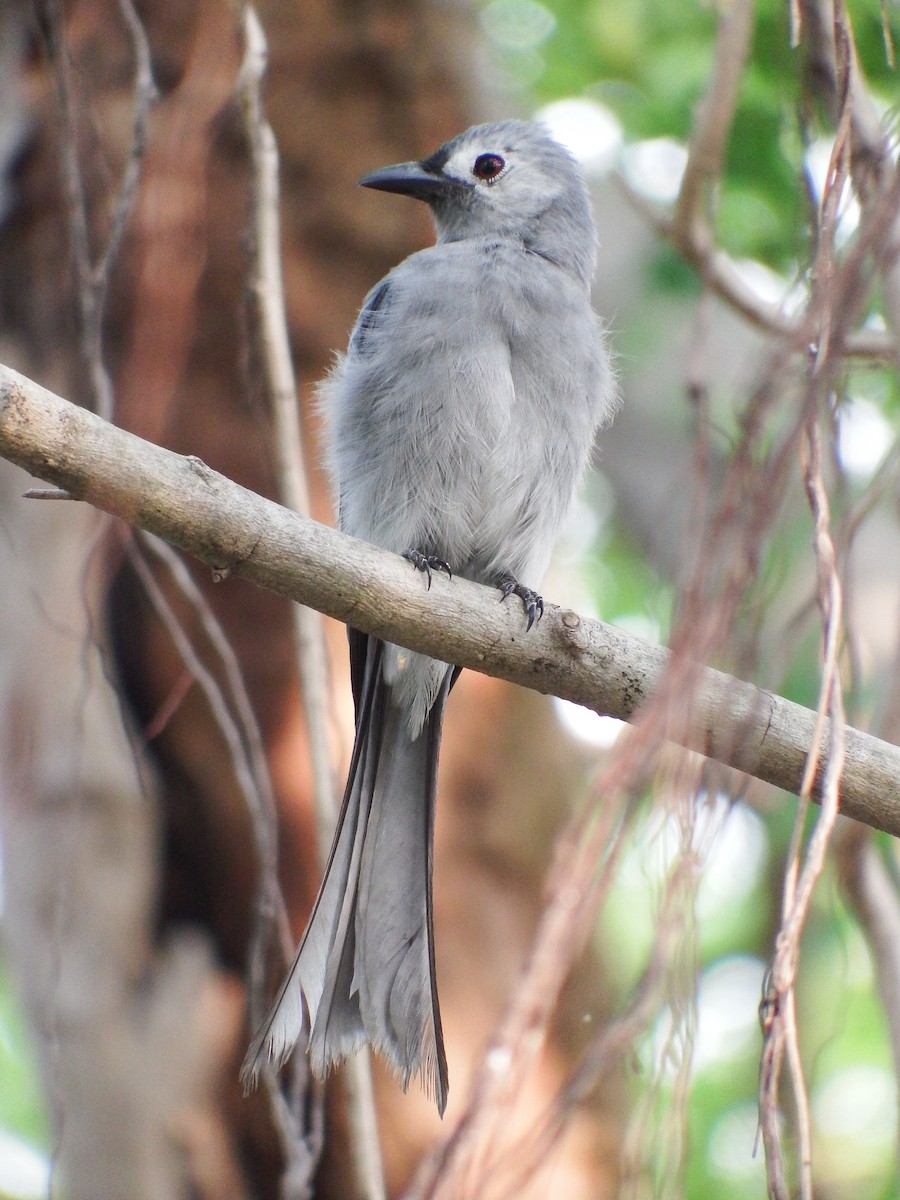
pixel 624 585
pixel 648 61
pixel 21 1105
pixel 24 1130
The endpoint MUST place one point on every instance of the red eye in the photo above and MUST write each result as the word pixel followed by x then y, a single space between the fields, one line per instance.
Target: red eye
pixel 488 166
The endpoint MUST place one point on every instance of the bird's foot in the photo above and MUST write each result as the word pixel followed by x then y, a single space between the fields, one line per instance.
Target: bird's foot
pixel 427 563
pixel 531 601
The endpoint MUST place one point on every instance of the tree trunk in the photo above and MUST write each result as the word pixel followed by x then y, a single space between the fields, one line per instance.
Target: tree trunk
pixel 133 875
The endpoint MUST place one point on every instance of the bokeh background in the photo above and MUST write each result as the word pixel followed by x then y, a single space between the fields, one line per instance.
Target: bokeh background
pixel 130 864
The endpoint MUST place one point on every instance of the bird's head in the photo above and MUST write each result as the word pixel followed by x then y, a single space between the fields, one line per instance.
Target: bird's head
pixel 509 179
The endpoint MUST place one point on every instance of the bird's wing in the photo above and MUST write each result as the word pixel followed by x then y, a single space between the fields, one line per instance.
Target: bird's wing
pixel 377 302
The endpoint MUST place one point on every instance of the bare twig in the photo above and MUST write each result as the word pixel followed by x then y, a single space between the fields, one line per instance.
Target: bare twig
pixel 244 741
pixel 840 290
pixel 799 884
pixel 657 1140
pixel 723 277
pixel 46 494
pixel 781 1035
pixel 619 1037
pixel 145 95
pixel 241 731
pixel 267 291
pixel 709 136
pixel 689 227
pixel 94 274
pixel 249 767
pixel 583 872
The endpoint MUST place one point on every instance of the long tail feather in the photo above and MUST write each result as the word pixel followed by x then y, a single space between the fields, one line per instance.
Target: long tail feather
pixel 296 1004
pixel 364 970
pixel 395 936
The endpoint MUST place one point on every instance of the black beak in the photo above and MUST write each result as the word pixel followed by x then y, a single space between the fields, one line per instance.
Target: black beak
pixel 412 179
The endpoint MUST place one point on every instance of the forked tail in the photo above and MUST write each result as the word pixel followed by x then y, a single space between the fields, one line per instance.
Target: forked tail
pixel 364 970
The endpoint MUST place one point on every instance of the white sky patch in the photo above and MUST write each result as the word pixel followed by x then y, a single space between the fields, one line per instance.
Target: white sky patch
pixel 731 839
pixel 586 725
pixel 728 1004
pixel 858 1103
pixel 24 1172
pixel 817 158
pixel 588 130
pixel 731 1144
pixel 864 436
pixel 655 168
pixel 517 24
pixel 592 728
pixel 736 858
pixel 771 287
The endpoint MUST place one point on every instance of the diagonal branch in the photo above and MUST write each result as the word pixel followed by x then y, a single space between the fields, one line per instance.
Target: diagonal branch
pixel 235 531
pixel 709 136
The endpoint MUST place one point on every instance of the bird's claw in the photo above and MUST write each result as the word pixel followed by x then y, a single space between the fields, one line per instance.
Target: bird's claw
pixel 427 563
pixel 532 602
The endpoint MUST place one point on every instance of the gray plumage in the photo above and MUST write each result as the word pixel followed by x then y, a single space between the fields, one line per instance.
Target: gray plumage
pixel 459 424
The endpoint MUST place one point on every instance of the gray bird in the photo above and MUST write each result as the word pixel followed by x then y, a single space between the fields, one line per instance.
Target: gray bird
pixel 459 424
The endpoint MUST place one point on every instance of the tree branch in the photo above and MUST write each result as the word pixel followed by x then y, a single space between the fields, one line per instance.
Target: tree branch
pixel 235 531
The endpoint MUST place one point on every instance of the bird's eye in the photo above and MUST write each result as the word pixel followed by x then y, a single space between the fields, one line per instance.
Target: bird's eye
pixel 488 166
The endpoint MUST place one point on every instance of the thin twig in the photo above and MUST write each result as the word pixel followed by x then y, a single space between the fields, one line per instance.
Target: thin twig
pixel 267 291
pixel 723 277
pixel 586 855
pixel 94 278
pixel 781 1042
pixel 656 1141
pixel 782 1034
pixel 709 135
pixel 266 287
pixel 145 96
pixel 243 734
pixel 252 781
pixel 93 275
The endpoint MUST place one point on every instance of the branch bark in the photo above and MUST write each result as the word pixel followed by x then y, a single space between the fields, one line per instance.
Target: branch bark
pixel 235 531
